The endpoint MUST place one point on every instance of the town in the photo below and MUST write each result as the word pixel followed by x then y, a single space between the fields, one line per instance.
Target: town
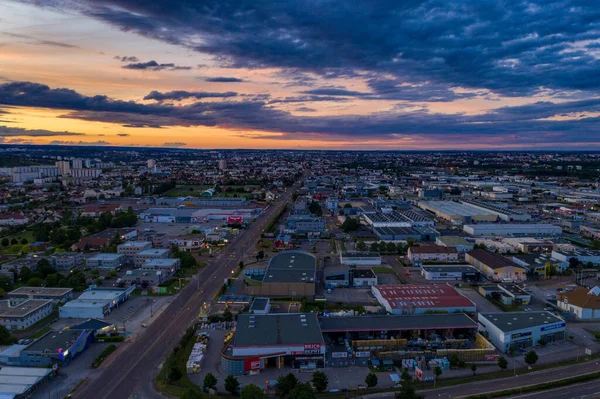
pixel 147 272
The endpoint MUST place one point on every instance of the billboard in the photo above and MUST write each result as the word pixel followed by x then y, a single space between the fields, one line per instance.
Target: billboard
pixel 312 349
pixel 235 219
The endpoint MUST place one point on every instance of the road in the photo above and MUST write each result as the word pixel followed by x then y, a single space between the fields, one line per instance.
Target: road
pixel 585 390
pixel 134 370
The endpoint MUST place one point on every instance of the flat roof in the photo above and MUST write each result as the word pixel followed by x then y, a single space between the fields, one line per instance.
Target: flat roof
pixel 453 240
pixel 91 324
pixel 450 268
pixel 136 244
pixel 259 304
pixel 277 329
pixel 409 296
pixel 16 381
pixel 396 322
pixel 513 321
pixel 106 257
pixel 513 226
pixel 160 262
pixel 433 249
pixel 25 308
pixel 454 208
pixel 101 294
pixel 291 267
pixel 361 255
pixel 58 292
pixel 55 340
pixel 397 230
pixel 154 251
pixel 579 252
pixel 492 260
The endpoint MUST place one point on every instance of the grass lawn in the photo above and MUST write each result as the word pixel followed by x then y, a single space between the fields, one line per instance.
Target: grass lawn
pixel 40 332
pixel 179 360
pixel 185 190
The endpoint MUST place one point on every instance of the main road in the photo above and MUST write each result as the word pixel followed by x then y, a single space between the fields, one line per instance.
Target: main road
pixel 134 369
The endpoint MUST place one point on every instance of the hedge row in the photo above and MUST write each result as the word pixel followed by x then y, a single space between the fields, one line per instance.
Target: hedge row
pixel 98 361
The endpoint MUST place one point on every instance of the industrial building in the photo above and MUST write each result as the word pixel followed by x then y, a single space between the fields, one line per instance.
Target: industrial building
pixel 149 254
pixel 130 248
pixel 583 303
pixel 495 266
pixel 274 340
pixel 348 276
pixel 512 229
pixel 56 295
pixel 22 382
pixel 582 255
pixel 537 264
pixel 260 306
pixel 397 219
pixel 418 299
pixel 507 294
pixel 457 213
pixel 105 261
pixel 289 274
pixel 450 273
pixel 360 258
pixel 24 314
pixel 95 303
pixel 520 330
pixel 503 213
pixel 398 233
pixel 432 253
pixel 459 243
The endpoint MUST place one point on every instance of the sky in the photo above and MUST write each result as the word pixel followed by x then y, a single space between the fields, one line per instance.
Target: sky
pixel 302 74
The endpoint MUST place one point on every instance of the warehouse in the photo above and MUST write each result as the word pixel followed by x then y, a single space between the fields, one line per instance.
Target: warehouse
pixel 459 243
pixel 22 382
pixel 397 233
pixel 457 213
pixel 54 347
pixel 289 274
pixel 582 255
pixel 496 267
pixel 418 299
pixel 56 295
pixel 512 229
pixel 105 261
pixel 360 258
pixel 503 213
pixel 95 303
pixel 397 219
pixel 143 278
pixel 432 253
pixel 520 330
pixel 451 273
pixel 274 340
pixel 583 303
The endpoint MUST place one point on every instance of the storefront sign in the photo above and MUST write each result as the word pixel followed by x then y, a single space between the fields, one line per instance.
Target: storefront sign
pixel 521 334
pixel 252 363
pixel 419 373
pixel 491 357
pixel 554 326
pixel 362 354
pixel 338 355
pixel 312 349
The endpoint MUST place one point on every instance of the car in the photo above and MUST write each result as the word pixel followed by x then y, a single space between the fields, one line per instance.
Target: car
pixel 143 325
pixel 548 309
pixel 528 309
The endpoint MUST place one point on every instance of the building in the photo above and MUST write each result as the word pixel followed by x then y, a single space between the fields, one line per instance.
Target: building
pixel 507 294
pixel 450 273
pixel 360 258
pixel 582 303
pixel 459 243
pixel 17 264
pixel 149 254
pixel 64 167
pixel 432 253
pixel 273 340
pixel 398 233
pixel 418 299
pixel 129 249
pixel 538 264
pixel 503 213
pixel 308 225
pixel 13 219
pixel 260 306
pixel 457 213
pixel 66 260
pixel 222 164
pixel 496 267
pixel 143 278
pixel 289 274
pixel 397 219
pixel 105 261
pixel 584 256
pixel 167 266
pixel 54 347
pixel 24 314
pixel 22 382
pixel 188 243
pixel 520 330
pixel 95 303
pixel 56 295
pixel 151 163
pixel 512 229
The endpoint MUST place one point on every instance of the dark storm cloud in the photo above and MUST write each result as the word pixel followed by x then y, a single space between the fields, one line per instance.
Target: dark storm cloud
pixel 6 131
pixel 224 79
pixel 126 58
pixel 182 94
pixel 155 66
pixel 512 48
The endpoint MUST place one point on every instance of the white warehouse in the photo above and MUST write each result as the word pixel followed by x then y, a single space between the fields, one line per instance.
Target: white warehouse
pixel 512 229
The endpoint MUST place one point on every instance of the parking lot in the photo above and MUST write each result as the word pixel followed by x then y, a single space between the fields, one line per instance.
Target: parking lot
pixel 357 296
pixel 481 303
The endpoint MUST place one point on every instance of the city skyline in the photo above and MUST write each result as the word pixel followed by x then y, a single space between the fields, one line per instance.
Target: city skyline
pixel 301 75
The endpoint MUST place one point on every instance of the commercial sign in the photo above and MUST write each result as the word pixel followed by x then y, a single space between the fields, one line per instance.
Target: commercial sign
pixel 252 363
pixel 338 355
pixel 419 373
pixel 235 219
pixel 312 349
pixel 362 354
pixel 491 357
pixel 521 334
pixel 554 326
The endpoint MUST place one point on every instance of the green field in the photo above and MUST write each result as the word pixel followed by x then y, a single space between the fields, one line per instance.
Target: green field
pixel 186 190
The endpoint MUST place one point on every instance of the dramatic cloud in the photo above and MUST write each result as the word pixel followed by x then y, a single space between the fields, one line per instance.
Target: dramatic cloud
pixel 6 131
pixel 182 94
pixel 223 79
pixel 126 58
pixel 92 143
pixel 174 144
pixel 155 66
pixel 511 48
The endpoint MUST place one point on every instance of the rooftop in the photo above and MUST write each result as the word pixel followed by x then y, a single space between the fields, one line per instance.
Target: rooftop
pixel 135 244
pixel 409 296
pixel 56 341
pixel 453 240
pixel 513 321
pixel 433 249
pixel 492 260
pixel 23 309
pixel 396 323
pixel 91 324
pixel 277 329
pixel 291 266
pixel 454 208
pixel 161 262
pixel 105 257
pixel 15 381
pixel 450 268
pixel 153 252
pixel 361 255
pixel 582 297
pixel 58 292
pixel 259 304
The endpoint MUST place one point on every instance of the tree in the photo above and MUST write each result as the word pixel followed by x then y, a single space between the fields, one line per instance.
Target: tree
pixel 210 381
pixel 260 255
pixel 252 392
pixel 502 363
pixel 405 376
pixel 371 380
pixel 473 368
pixel 350 224
pixel 24 241
pixel 285 384
pixel 453 360
pixel 302 391
pixel 14 241
pixel 25 273
pixel 174 373
pixel 5 242
pixel 437 371
pixel 6 283
pixel 374 247
pixel 407 391
pixel 241 265
pixel 232 384
pixel 45 268
pixel 531 357
pixel 320 381
pixel 5 338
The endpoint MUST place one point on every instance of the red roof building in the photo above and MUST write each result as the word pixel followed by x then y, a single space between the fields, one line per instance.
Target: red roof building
pixel 419 299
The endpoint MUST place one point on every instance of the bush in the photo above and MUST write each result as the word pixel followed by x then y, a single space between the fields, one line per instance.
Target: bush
pixel 102 356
